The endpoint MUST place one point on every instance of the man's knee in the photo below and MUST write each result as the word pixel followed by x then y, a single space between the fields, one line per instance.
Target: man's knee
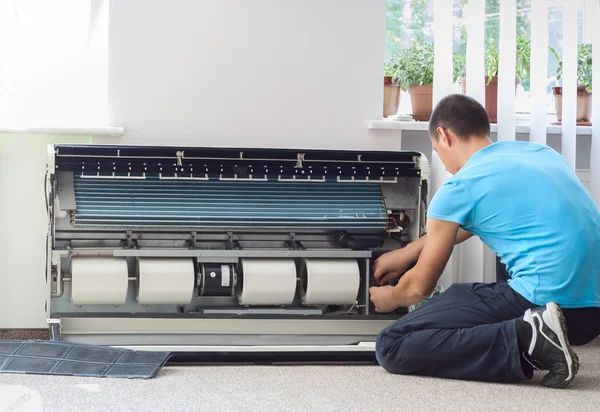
pixel 388 354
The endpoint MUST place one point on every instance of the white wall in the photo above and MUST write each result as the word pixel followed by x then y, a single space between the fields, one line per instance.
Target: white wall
pixel 23 289
pixel 270 73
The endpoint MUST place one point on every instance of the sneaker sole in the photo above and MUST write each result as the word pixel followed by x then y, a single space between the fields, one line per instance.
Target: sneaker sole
pixel 559 325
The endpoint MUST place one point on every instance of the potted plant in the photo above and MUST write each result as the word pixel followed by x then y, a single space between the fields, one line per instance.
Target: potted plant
pixel 523 62
pixel 414 73
pixel 584 84
pixel 492 62
pixel 391 89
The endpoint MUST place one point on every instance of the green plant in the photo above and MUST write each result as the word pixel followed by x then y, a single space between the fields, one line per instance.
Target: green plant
pixel 584 65
pixel 413 65
pixel 523 62
pixel 391 66
pixel 491 58
pixel 492 63
pixel 460 66
pixel 523 59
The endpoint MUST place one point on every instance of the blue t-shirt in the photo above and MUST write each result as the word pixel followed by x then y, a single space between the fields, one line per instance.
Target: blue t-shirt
pixel 525 202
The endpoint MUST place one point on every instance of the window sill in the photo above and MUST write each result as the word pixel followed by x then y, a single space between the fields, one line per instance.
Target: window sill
pixel 399 125
pixel 81 131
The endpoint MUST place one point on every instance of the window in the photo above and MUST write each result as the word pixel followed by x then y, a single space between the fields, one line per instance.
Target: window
pixel 413 19
pixel 53 63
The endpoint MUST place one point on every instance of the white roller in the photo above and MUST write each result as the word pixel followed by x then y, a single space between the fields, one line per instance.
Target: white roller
pixel 164 281
pixel 99 280
pixel 267 282
pixel 330 281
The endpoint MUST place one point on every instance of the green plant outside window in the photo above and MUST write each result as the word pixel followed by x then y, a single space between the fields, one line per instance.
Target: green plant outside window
pixel 584 66
pixel 413 65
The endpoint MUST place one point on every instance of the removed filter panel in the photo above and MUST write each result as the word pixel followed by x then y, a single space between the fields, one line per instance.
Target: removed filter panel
pixel 165 281
pixel 329 281
pixel 216 279
pixel 99 280
pixel 267 282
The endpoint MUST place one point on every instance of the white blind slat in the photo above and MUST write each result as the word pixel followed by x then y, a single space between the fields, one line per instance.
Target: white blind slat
pixel 569 83
pixel 589 20
pixel 471 253
pixel 593 8
pixel 442 65
pixel 442 73
pixel 539 70
pixel 442 86
pixel 475 50
pixel 506 70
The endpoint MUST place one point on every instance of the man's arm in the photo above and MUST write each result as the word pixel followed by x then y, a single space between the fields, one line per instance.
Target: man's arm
pixel 419 282
pixel 415 248
pixel 462 236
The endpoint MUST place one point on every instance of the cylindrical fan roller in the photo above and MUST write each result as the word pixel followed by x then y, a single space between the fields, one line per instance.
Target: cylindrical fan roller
pixel 267 282
pixel 165 281
pixel 99 281
pixel 329 281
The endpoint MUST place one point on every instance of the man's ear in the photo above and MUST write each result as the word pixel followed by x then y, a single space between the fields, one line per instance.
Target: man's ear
pixel 444 136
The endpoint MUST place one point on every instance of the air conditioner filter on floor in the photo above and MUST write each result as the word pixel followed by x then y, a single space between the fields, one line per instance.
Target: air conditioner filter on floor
pixel 64 358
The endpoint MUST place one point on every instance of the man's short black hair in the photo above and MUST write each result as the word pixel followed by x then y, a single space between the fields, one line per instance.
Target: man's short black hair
pixel 461 114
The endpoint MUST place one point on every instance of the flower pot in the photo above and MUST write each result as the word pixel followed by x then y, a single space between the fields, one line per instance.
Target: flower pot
pixel 491 95
pixel 391 97
pixel 491 98
pixel 421 98
pixel 584 104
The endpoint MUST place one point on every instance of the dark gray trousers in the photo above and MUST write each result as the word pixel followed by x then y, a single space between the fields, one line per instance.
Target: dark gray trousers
pixel 469 332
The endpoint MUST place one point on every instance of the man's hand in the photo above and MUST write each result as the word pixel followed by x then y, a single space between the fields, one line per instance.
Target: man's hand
pixel 391 265
pixel 420 281
pixel 395 263
pixel 384 298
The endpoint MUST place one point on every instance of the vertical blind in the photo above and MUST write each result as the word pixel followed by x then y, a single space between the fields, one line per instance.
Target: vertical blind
pixel 569 83
pixel 470 254
pixel 539 64
pixel 442 86
pixel 593 7
pixel 469 259
pixel 506 69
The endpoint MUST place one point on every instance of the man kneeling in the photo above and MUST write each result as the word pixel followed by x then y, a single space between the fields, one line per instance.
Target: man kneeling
pixel 525 202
